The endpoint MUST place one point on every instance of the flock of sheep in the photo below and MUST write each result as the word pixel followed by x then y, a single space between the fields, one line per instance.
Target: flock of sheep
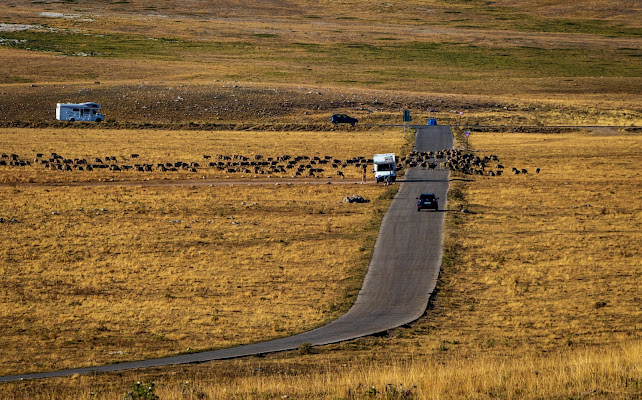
pixel 257 164
pixel 294 166
pixel 457 160
pixel 286 164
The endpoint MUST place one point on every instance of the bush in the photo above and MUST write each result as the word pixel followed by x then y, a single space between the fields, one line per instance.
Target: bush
pixel 141 391
pixel 305 348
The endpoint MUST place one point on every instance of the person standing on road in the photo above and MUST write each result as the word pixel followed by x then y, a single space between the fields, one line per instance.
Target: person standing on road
pixel 363 177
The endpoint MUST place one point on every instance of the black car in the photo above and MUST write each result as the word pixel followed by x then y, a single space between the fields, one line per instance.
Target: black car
pixel 343 119
pixel 427 200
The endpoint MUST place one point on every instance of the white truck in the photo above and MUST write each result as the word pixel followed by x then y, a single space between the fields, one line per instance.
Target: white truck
pixel 385 167
pixel 78 112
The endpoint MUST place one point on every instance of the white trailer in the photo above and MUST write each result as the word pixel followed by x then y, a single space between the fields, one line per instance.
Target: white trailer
pixel 385 167
pixel 78 112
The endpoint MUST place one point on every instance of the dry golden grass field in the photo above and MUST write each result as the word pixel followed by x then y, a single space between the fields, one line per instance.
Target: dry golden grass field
pixel 97 274
pixel 539 295
pixel 153 147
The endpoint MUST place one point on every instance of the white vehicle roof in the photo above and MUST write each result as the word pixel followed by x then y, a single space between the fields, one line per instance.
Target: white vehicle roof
pixel 383 158
pixel 91 105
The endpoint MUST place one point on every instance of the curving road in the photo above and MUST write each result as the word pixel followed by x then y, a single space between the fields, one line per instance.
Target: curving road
pixel 402 275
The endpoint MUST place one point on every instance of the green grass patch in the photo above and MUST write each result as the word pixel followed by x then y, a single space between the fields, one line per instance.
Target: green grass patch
pixel 511 19
pixel 585 26
pixel 395 59
pixel 265 35
pixel 120 46
pixel 15 79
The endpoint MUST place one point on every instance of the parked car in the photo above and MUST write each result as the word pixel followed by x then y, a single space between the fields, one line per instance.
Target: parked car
pixel 343 119
pixel 428 201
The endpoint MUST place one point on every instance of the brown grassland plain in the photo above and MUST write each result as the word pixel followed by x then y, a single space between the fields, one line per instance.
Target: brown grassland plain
pixel 538 298
pixel 96 275
pixel 147 263
pixel 298 62
pixel 162 146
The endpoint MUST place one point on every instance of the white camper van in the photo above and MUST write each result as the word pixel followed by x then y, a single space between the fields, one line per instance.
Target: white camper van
pixel 384 167
pixel 78 112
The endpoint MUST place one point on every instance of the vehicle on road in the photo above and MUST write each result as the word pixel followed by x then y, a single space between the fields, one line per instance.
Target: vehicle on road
pixel 343 119
pixel 427 201
pixel 78 112
pixel 385 167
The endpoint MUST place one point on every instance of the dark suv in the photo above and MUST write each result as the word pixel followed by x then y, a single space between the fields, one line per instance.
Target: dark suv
pixel 343 119
pixel 427 200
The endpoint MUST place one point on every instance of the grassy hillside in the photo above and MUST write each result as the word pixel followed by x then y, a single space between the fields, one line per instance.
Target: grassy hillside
pixel 498 51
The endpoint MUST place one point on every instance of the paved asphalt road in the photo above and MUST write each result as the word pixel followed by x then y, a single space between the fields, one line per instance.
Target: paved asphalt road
pixel 402 275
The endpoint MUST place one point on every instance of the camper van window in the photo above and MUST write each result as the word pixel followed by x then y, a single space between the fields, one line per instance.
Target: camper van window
pixel 75 109
pixel 384 167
